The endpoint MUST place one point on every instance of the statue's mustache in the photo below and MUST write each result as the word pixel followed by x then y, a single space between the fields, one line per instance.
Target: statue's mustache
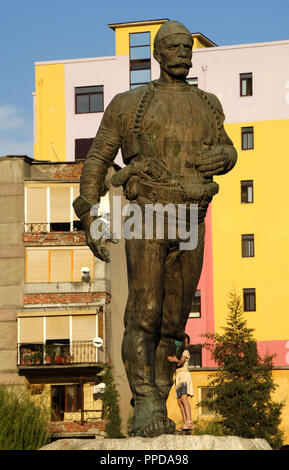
pixel 183 63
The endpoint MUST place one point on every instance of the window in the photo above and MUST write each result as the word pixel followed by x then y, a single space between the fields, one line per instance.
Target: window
pixel 247 138
pixel 139 59
pixel 89 99
pixel 48 208
pixel 247 191
pixel 60 227
pixel 58 264
pixel 60 201
pixel 64 398
pixel 195 355
pixel 193 81
pixel 246 84
pixel 82 147
pixel 248 246
pixel 196 306
pixel 249 298
pixel 36 204
pixel 204 394
pixel 77 226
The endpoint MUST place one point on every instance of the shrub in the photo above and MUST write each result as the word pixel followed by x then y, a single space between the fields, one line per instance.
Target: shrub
pixel 111 405
pixel 23 424
pixel 213 428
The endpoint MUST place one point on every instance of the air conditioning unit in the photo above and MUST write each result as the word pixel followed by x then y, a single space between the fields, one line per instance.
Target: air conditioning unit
pixel 99 388
pixel 85 274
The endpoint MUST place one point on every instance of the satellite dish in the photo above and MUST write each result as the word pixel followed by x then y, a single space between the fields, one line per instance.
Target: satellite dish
pixel 97 342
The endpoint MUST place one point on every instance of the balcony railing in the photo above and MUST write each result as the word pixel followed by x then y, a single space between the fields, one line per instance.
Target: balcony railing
pixel 43 227
pixel 36 228
pixel 77 352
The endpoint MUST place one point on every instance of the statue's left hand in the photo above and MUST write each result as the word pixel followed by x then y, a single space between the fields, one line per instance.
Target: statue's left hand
pixel 97 244
pixel 172 359
pixel 214 161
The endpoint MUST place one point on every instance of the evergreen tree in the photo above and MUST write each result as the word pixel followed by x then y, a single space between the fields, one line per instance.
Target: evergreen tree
pixel 242 388
pixel 111 405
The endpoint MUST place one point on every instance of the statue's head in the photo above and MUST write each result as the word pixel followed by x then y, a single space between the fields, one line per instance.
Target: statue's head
pixel 173 49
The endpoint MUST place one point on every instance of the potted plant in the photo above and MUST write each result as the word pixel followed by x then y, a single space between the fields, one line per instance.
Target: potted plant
pixel 48 351
pixel 58 359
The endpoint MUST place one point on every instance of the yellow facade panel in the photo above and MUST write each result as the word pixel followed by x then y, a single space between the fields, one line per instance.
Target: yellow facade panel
pixel 267 165
pixel 50 112
pixel 122 36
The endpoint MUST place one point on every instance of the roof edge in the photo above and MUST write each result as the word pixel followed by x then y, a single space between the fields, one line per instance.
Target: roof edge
pixel 137 23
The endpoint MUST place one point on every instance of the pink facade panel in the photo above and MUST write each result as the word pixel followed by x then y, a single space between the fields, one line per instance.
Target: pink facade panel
pixel 279 348
pixel 196 327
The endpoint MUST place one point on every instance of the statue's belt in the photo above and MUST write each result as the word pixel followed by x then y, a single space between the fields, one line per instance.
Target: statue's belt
pixel 196 193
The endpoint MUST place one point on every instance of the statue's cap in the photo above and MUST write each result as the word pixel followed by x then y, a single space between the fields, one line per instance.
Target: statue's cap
pixel 170 27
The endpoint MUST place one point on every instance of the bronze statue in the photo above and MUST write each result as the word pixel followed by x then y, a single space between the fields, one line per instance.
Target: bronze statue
pixel 173 141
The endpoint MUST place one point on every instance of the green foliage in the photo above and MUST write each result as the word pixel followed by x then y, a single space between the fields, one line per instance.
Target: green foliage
pixel 212 427
pixel 129 426
pixel 241 391
pixel 111 405
pixel 23 424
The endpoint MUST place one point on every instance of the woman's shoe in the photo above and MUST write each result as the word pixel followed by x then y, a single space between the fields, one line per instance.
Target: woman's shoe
pixel 188 425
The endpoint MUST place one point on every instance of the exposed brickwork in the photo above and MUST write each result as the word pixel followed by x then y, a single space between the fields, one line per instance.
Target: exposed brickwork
pixel 57 238
pixel 64 298
pixel 69 172
pixel 69 427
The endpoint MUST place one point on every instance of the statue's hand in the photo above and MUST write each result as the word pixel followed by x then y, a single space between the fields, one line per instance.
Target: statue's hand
pixel 97 245
pixel 172 359
pixel 214 161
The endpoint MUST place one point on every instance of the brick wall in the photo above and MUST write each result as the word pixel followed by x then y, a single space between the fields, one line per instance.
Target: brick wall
pixel 64 298
pixel 72 171
pixel 72 427
pixel 59 238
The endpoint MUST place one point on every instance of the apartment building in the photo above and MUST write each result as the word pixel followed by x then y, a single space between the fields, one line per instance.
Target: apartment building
pixel 246 245
pixel 57 328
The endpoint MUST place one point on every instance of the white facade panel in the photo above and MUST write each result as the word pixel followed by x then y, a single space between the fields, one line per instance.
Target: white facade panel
pixel 219 68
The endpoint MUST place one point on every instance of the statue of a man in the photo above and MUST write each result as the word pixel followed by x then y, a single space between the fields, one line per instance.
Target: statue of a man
pixel 173 141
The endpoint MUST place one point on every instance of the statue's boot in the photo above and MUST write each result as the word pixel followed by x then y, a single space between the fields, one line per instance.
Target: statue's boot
pixel 150 413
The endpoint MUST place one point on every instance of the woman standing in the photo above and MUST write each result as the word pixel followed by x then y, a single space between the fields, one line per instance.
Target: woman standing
pixel 184 384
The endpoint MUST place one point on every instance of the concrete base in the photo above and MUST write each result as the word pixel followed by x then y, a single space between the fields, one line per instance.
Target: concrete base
pixel 164 442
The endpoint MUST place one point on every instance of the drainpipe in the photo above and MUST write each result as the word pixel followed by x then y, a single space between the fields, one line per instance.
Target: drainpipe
pixel 204 68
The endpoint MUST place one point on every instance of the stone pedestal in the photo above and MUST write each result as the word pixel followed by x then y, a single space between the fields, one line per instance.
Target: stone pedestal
pixel 164 442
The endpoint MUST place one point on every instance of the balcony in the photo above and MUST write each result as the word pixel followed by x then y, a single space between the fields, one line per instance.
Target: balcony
pixel 60 353
pixel 43 227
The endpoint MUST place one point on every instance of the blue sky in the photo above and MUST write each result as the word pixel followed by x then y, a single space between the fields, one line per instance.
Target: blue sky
pixel 32 31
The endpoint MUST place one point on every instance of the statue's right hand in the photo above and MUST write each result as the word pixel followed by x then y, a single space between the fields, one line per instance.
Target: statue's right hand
pixel 96 245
